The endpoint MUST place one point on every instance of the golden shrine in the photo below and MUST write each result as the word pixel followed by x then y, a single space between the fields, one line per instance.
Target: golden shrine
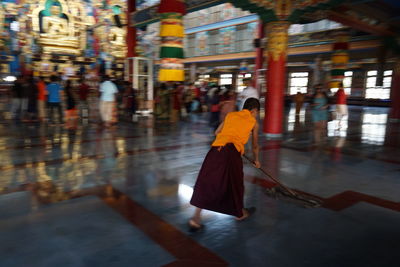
pixel 70 37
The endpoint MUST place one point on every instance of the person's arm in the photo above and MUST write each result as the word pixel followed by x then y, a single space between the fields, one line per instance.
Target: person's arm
pixel 255 146
pixel 219 128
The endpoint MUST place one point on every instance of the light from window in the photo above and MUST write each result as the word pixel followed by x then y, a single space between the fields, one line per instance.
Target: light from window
pixel 298 82
pixel 374 128
pixel 225 79
pixel 293 119
pixel 347 82
pixel 378 92
pixel 348 77
pixel 240 81
pixel 388 73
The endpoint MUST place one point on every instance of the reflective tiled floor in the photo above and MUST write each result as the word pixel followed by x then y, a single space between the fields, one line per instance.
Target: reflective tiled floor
pixel 119 197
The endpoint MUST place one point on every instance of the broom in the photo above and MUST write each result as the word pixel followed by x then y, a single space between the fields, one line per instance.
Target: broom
pixel 283 190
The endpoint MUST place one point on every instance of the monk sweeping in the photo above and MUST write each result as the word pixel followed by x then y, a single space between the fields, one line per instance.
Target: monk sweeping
pixel 219 186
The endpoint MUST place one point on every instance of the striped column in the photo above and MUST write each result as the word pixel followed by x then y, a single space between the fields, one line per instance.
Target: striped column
pixel 340 59
pixel 171 34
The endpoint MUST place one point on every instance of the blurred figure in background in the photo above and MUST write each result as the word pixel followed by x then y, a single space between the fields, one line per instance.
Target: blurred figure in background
pixel 32 93
pixel 130 101
pixel 108 90
pixel 41 99
pixel 54 91
pixel 176 102
pixel 83 99
pixel 227 104
pixel 341 104
pixel 298 100
pixel 188 98
pixel 248 92
pixel 215 108
pixel 26 82
pixel 71 111
pixel 16 95
pixel 319 106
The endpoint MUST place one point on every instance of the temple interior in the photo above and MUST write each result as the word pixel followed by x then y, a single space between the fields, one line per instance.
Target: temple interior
pixel 109 110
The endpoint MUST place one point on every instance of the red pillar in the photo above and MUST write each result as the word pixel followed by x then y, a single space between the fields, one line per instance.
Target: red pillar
pixel 131 32
pixel 277 51
pixel 259 55
pixel 395 93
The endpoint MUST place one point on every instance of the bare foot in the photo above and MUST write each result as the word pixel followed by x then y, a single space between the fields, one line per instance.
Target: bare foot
pixel 246 213
pixel 194 225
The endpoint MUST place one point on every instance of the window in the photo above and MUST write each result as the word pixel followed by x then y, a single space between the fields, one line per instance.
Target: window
pixel 378 92
pixel 298 82
pixel 348 76
pixel 225 79
pixel 240 81
pixel 204 76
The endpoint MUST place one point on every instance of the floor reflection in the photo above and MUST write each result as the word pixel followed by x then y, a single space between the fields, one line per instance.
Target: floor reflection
pixel 374 126
pixel 338 127
pixel 294 122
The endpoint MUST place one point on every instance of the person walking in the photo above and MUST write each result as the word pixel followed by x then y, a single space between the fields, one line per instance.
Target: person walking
pixel 16 95
pixel 83 92
pixel 108 90
pixel 319 106
pixel 41 99
pixel 26 94
pixel 341 104
pixel 219 186
pixel 55 93
pixel 176 102
pixel 215 108
pixel 32 93
pixel 130 101
pixel 188 98
pixel 71 112
pixel 298 100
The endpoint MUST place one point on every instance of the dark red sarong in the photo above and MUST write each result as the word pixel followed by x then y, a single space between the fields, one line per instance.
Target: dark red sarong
pixel 219 186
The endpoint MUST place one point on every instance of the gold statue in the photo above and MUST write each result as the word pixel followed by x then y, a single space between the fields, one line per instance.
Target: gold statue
pixel 117 40
pixel 56 29
pixel 55 25
pixel 112 30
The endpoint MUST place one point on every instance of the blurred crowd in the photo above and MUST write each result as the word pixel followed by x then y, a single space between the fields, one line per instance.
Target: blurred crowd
pixel 178 100
pixel 59 101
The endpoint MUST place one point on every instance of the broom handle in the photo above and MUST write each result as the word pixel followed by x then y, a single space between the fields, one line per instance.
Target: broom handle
pixel 272 178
